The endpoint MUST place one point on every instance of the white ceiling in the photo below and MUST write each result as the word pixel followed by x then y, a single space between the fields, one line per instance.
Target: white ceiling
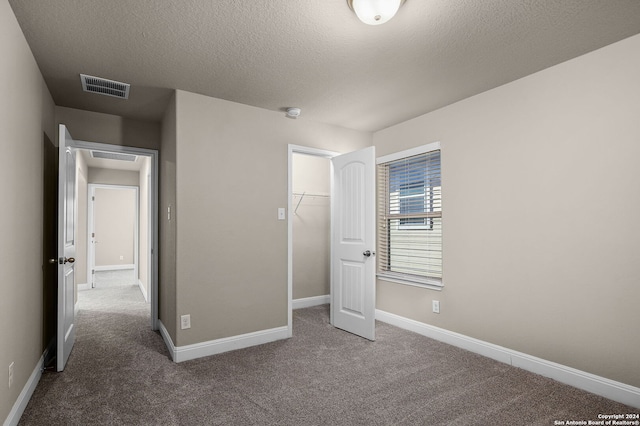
pixel 313 54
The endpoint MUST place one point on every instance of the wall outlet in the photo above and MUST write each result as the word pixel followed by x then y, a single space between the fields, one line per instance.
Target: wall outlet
pixel 185 322
pixel 281 213
pixel 121 257
pixel 11 374
pixel 435 305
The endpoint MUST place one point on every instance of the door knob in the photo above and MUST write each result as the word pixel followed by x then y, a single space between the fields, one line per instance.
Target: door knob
pixel 368 253
pixel 63 260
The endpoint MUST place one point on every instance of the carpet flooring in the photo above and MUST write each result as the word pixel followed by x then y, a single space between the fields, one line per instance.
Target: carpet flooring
pixel 120 373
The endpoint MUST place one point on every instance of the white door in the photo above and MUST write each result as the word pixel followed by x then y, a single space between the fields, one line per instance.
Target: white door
pixel 353 243
pixel 66 247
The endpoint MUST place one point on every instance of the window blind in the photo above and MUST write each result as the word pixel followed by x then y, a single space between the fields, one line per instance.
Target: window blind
pixel 410 218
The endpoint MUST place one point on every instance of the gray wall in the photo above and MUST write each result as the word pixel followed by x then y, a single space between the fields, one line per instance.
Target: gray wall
pixel 27 112
pixel 231 177
pixel 113 177
pixel 311 226
pixel 540 214
pixel 81 263
pixel 166 227
pixel 111 129
pixel 115 225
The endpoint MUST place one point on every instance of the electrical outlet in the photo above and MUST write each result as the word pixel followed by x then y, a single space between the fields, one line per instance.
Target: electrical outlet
pixel 11 374
pixel 121 257
pixel 185 322
pixel 435 305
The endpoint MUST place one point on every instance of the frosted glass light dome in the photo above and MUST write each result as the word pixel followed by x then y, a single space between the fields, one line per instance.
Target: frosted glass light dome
pixel 375 12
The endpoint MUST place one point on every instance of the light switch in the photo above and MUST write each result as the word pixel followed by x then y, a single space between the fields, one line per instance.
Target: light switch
pixel 281 213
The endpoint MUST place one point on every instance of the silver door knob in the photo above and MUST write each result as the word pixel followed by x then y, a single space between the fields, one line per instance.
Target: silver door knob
pixel 63 260
pixel 367 253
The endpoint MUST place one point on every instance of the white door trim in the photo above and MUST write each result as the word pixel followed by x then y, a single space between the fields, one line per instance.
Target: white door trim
pixel 297 149
pixel 91 224
pixel 153 212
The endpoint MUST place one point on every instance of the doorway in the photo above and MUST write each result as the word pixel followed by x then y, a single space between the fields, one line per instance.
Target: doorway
pixel 123 180
pixel 113 234
pixel 309 227
pixel 352 239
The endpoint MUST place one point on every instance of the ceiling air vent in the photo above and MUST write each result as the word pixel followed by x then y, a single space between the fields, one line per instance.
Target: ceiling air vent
pixel 113 156
pixel 102 86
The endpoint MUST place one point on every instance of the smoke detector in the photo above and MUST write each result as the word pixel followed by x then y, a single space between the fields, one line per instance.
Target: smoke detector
pixel 293 112
pixel 102 86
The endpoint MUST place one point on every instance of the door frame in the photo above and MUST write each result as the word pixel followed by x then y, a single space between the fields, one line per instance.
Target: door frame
pixel 91 265
pixel 298 149
pixel 153 212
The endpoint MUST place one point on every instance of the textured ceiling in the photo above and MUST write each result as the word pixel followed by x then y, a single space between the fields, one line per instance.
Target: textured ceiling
pixel 313 54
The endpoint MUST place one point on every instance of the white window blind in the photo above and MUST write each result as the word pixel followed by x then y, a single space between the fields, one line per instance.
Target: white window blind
pixel 410 219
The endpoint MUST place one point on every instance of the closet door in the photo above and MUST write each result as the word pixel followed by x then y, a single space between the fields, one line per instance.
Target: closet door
pixel 353 243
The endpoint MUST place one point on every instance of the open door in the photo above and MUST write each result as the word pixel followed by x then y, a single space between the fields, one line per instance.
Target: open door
pixel 353 243
pixel 66 247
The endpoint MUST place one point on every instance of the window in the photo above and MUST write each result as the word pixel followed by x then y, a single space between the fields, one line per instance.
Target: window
pixel 410 216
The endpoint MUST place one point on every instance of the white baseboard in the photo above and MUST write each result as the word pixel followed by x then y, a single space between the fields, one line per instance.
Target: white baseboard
pixel 84 286
pixel 143 290
pixel 598 385
pixel 218 346
pixel 23 399
pixel 114 267
pixel 307 302
pixel 167 339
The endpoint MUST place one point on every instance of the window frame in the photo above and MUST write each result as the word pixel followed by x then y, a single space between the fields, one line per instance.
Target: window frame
pixel 422 282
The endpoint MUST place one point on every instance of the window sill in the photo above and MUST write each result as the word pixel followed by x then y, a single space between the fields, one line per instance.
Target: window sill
pixel 427 283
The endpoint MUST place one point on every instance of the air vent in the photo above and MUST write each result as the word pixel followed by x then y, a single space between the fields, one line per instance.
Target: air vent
pixel 102 86
pixel 113 156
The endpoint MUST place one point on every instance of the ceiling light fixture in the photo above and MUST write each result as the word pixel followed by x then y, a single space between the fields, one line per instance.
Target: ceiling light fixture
pixel 375 12
pixel 293 112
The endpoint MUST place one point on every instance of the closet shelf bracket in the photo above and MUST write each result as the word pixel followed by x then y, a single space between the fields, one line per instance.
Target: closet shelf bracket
pixel 295 212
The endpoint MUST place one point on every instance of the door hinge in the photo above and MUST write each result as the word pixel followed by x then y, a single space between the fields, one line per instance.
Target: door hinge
pixel 93 198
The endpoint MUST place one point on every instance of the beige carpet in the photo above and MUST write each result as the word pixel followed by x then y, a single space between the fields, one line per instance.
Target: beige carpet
pixel 119 373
